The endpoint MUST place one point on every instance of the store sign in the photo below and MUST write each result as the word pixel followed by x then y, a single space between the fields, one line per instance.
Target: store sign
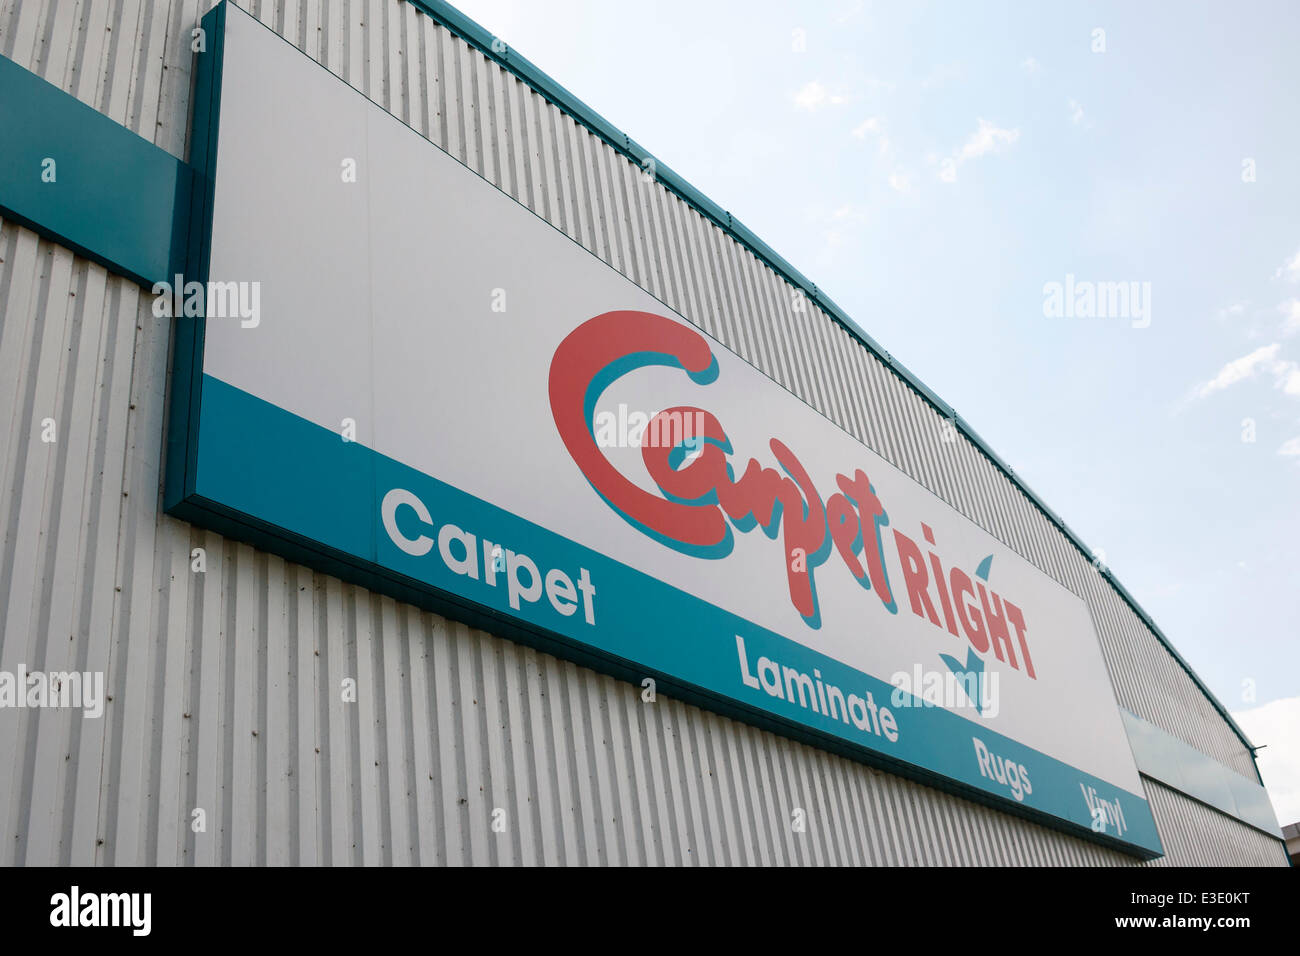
pixel 447 398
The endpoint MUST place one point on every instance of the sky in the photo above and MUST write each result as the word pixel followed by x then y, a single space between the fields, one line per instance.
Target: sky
pixel 951 174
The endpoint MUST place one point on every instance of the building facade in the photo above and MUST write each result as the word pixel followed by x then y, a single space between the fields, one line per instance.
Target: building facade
pixel 224 739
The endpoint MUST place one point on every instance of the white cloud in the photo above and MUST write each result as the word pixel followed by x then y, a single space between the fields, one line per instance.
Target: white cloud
pixel 900 181
pixel 813 96
pixel 1289 270
pixel 872 126
pixel 1239 369
pixel 986 139
pixel 1076 112
pixel 869 125
pixel 1286 373
pixel 1234 311
pixel 1290 447
pixel 1290 316
pixel 1277 724
pixel 1030 65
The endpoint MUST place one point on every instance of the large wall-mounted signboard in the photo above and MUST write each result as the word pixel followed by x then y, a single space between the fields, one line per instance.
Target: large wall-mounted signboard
pixel 433 390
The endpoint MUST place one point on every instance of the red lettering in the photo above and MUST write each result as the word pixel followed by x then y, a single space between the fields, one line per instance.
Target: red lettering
pixel 1018 622
pixel 971 621
pixel 803 523
pixel 585 354
pixel 997 626
pixel 845 528
pixel 943 594
pixel 915 578
pixel 702 474
pixel 755 494
pixel 870 511
pixel 700 498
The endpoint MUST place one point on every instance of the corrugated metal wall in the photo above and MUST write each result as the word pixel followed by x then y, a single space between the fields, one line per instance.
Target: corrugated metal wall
pixel 225 685
pixel 1193 833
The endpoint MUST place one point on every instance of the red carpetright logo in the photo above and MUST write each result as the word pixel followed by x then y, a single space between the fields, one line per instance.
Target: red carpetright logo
pixel 701 500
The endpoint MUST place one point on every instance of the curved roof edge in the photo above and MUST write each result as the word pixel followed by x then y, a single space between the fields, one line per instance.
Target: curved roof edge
pixel 494 48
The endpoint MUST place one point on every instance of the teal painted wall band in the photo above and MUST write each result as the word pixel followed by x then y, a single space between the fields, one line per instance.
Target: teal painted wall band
pixel 494 48
pixel 1165 758
pixel 114 197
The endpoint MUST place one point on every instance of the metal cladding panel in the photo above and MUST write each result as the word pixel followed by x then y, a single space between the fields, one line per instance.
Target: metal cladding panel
pixel 1197 835
pixel 225 685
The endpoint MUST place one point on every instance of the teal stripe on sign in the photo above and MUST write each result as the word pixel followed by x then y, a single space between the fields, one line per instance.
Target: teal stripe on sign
pixel 73 175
